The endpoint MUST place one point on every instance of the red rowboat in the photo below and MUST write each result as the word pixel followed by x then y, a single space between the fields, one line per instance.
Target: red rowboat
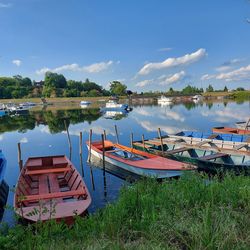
pixel 226 130
pixel 50 188
pixel 138 162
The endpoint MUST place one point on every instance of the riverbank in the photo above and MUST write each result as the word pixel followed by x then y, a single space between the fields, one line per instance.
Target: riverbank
pixel 189 213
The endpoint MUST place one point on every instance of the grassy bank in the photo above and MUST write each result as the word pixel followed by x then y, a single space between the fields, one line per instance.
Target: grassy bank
pixel 185 214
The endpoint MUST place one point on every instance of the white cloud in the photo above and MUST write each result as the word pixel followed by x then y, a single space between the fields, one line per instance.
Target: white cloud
pixel 1 137
pixel 173 78
pixel 228 64
pixel 144 83
pixel 242 73
pixel 207 77
pixel 165 49
pixel 5 5
pixel 173 62
pixel 93 68
pixel 24 140
pixel 97 67
pixel 223 68
pixel 17 62
pixel 173 115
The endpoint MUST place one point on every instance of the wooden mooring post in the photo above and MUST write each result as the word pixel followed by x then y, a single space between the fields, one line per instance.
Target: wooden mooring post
pixel 80 152
pixel 103 153
pixel 159 135
pixel 19 155
pixel 132 140
pixel 104 134
pixel 90 142
pixel 143 142
pixel 69 140
pixel 116 133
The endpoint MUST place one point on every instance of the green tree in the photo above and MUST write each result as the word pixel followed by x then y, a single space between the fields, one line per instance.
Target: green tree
pixel 225 89
pixel 54 80
pixel 210 88
pixel 117 88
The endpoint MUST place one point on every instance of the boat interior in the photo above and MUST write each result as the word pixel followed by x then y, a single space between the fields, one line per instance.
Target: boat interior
pixel 206 155
pixel 49 178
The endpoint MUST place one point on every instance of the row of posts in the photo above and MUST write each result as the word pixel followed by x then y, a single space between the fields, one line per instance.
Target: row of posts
pixel 103 137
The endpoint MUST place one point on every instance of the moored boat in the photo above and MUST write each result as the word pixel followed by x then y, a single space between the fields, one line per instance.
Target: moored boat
pixel 217 136
pixel 114 105
pixel 138 162
pixel 52 187
pixel 234 131
pixel 243 125
pixel 209 160
pixel 4 188
pixel 164 99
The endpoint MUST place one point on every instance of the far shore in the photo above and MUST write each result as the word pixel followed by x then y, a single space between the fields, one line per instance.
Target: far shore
pixel 76 100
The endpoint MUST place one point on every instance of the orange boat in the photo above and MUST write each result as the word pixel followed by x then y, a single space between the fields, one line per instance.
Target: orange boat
pixel 50 188
pixel 138 162
pixel 235 131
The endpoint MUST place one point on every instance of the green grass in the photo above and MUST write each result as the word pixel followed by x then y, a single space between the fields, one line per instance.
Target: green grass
pixel 190 213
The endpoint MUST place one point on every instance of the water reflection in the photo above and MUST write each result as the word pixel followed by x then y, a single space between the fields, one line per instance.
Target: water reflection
pixel 42 132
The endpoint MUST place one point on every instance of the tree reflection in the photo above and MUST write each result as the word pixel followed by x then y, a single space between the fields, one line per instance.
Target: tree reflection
pixel 53 119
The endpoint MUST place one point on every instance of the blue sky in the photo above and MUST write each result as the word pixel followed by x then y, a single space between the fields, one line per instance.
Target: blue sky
pixel 146 44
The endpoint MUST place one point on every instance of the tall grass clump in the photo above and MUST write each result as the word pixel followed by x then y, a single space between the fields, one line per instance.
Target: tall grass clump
pixel 189 213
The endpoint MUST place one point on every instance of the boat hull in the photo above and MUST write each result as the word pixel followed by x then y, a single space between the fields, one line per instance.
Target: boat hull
pixel 235 131
pixel 212 167
pixel 155 173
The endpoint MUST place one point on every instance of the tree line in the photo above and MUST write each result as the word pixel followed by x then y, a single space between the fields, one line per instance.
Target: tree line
pixel 55 85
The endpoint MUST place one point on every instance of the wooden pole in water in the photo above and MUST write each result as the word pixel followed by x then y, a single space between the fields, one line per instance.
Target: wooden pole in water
pixel 20 161
pixel 90 142
pixel 104 134
pixel 143 142
pixel 80 151
pixel 159 135
pixel 103 153
pixel 132 140
pixel 116 133
pixel 69 140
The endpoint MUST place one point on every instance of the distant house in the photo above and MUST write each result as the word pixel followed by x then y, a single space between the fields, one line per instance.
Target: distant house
pixel 38 84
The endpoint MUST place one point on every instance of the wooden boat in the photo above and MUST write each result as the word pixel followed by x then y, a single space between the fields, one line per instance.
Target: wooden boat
pixel 227 147
pixel 220 136
pixel 50 188
pixel 208 160
pixel 235 131
pixel 137 162
pixel 243 125
pixel 4 188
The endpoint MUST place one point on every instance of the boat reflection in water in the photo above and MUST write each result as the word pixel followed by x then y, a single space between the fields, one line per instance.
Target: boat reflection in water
pixel 115 115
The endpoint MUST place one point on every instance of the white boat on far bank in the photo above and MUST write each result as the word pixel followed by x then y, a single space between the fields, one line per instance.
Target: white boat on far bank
pixel 85 104
pixel 164 100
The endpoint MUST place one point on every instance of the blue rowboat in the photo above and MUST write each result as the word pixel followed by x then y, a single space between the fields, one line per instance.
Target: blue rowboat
pixel 4 188
pixel 210 135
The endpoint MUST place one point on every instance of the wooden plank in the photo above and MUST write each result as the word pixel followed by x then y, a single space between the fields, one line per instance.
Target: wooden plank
pixel 47 171
pixel 178 150
pixel 34 162
pixel 212 156
pixel 241 146
pixel 56 195
pixel 212 136
pixel 60 161
pixel 43 185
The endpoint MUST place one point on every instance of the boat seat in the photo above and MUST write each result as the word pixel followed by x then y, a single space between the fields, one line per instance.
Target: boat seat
pixel 178 150
pixel 212 136
pixel 241 146
pixel 212 156
pixel 56 195
pixel 47 171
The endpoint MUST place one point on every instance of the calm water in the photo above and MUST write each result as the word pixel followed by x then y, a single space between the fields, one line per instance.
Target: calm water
pixel 43 133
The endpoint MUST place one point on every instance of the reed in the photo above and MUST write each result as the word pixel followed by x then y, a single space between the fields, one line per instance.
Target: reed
pixel 191 213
